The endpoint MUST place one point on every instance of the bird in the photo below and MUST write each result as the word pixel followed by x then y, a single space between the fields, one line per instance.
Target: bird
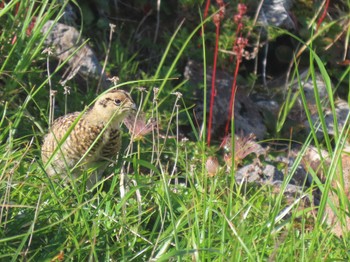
pixel 87 141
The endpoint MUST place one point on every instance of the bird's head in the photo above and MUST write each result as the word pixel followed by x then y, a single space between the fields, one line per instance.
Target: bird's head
pixel 116 104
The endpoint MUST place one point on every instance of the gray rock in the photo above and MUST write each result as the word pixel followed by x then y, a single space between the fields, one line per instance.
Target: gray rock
pixel 258 174
pixel 276 13
pixel 247 115
pixel 65 41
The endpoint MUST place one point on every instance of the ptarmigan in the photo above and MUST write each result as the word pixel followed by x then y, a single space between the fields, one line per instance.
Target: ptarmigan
pixel 79 142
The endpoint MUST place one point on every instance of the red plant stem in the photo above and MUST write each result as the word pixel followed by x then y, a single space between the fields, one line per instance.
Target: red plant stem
pixel 206 10
pixel 213 93
pixel 235 42
pixel 324 13
pixel 233 94
pixel 207 4
pixel 238 46
pixel 30 27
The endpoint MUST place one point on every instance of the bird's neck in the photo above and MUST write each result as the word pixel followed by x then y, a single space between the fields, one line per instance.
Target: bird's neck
pixel 96 119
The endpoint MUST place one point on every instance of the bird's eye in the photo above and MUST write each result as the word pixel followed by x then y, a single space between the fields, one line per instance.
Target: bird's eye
pixel 118 102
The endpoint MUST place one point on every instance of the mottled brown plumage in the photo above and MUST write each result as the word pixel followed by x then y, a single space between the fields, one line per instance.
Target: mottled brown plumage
pixel 88 142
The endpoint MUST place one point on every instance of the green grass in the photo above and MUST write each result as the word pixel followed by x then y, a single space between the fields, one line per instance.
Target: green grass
pixel 165 213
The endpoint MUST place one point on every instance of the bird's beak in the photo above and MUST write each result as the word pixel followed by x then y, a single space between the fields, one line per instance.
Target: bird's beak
pixel 133 107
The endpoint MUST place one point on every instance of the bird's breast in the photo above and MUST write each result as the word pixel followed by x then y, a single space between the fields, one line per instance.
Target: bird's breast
pixel 111 143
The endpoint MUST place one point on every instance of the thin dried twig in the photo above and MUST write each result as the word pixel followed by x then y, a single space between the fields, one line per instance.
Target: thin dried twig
pixel 111 31
pixel 33 224
pixel 52 93
pixel 158 22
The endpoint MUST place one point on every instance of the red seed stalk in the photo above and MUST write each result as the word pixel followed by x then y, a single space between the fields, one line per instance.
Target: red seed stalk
pixel 216 19
pixel 324 13
pixel 241 43
pixel 238 48
pixel 30 27
pixel 206 10
pixel 207 4
pixel 213 89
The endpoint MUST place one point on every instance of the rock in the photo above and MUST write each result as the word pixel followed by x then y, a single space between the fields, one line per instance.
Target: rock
pixel 341 112
pixel 276 13
pixel 341 106
pixel 340 224
pixel 312 160
pixel 65 41
pixel 300 176
pixel 255 173
pixel 247 116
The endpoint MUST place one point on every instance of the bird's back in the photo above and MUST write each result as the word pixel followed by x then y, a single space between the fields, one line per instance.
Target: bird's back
pixel 56 133
pixel 89 144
